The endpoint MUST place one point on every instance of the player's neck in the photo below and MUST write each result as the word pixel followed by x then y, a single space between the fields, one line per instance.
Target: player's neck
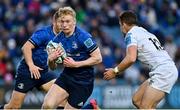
pixel 128 28
pixel 70 33
pixel 54 31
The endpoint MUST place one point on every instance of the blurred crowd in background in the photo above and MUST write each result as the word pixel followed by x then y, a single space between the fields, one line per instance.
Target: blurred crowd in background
pixel 20 18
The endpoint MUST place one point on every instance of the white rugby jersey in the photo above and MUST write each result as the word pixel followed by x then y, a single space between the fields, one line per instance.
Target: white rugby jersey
pixel 149 49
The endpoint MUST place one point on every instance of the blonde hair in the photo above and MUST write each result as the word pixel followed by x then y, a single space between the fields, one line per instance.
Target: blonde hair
pixel 67 11
pixel 56 15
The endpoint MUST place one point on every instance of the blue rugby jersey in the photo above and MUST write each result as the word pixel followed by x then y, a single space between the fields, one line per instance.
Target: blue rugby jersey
pixel 78 46
pixel 40 39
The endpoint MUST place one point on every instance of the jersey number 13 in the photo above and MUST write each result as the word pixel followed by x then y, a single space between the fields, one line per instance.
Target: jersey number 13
pixel 156 43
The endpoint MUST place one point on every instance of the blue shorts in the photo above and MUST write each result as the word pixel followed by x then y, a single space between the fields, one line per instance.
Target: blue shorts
pixel 25 83
pixel 78 92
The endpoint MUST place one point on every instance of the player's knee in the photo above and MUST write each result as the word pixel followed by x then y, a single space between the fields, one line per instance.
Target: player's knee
pixel 12 106
pixel 48 104
pixel 136 101
pixel 145 105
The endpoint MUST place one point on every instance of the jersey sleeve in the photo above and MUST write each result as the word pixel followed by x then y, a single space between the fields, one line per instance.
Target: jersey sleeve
pixel 130 40
pixel 89 43
pixel 38 38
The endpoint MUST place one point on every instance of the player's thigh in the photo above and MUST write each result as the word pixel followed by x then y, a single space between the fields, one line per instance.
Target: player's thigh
pixel 46 80
pixel 137 97
pixel 151 97
pixel 55 96
pixel 48 85
pixel 16 100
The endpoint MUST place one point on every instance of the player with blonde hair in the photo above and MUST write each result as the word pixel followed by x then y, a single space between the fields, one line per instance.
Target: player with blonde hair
pixel 75 83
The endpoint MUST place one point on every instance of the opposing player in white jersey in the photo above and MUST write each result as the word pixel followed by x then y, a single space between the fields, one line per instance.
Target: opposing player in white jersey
pixel 145 47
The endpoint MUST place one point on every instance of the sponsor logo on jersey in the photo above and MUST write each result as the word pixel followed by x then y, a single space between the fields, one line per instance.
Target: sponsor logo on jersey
pixel 88 43
pixel 71 55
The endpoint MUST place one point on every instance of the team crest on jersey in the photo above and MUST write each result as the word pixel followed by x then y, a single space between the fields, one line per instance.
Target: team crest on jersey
pixel 88 43
pixel 80 104
pixel 74 45
pixel 21 86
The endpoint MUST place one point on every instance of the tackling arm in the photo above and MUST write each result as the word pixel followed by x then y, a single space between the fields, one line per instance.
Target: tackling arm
pixel 130 58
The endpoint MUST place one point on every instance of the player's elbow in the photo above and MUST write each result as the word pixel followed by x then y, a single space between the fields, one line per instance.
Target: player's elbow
pixel 22 48
pixel 97 56
pixel 25 47
pixel 99 59
pixel 132 59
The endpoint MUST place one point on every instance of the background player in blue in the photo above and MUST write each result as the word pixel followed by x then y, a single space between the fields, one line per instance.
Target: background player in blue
pixel 33 69
pixel 75 83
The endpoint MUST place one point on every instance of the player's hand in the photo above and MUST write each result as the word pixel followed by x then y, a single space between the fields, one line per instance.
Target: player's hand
pixel 34 70
pixel 55 54
pixel 49 51
pixel 69 62
pixel 109 74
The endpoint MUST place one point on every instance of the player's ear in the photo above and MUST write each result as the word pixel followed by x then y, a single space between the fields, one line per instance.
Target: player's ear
pixel 74 21
pixel 53 22
pixel 123 23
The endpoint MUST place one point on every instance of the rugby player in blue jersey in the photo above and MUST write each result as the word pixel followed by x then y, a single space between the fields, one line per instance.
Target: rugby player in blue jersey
pixel 33 69
pixel 75 83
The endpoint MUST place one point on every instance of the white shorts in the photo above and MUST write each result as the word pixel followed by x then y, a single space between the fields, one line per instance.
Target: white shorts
pixel 163 77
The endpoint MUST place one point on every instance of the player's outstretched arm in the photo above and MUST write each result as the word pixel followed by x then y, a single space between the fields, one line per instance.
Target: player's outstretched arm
pixel 27 52
pixel 130 58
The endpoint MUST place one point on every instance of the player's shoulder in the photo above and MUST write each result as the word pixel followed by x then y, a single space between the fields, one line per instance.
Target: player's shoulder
pixel 137 32
pixel 82 32
pixel 43 29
